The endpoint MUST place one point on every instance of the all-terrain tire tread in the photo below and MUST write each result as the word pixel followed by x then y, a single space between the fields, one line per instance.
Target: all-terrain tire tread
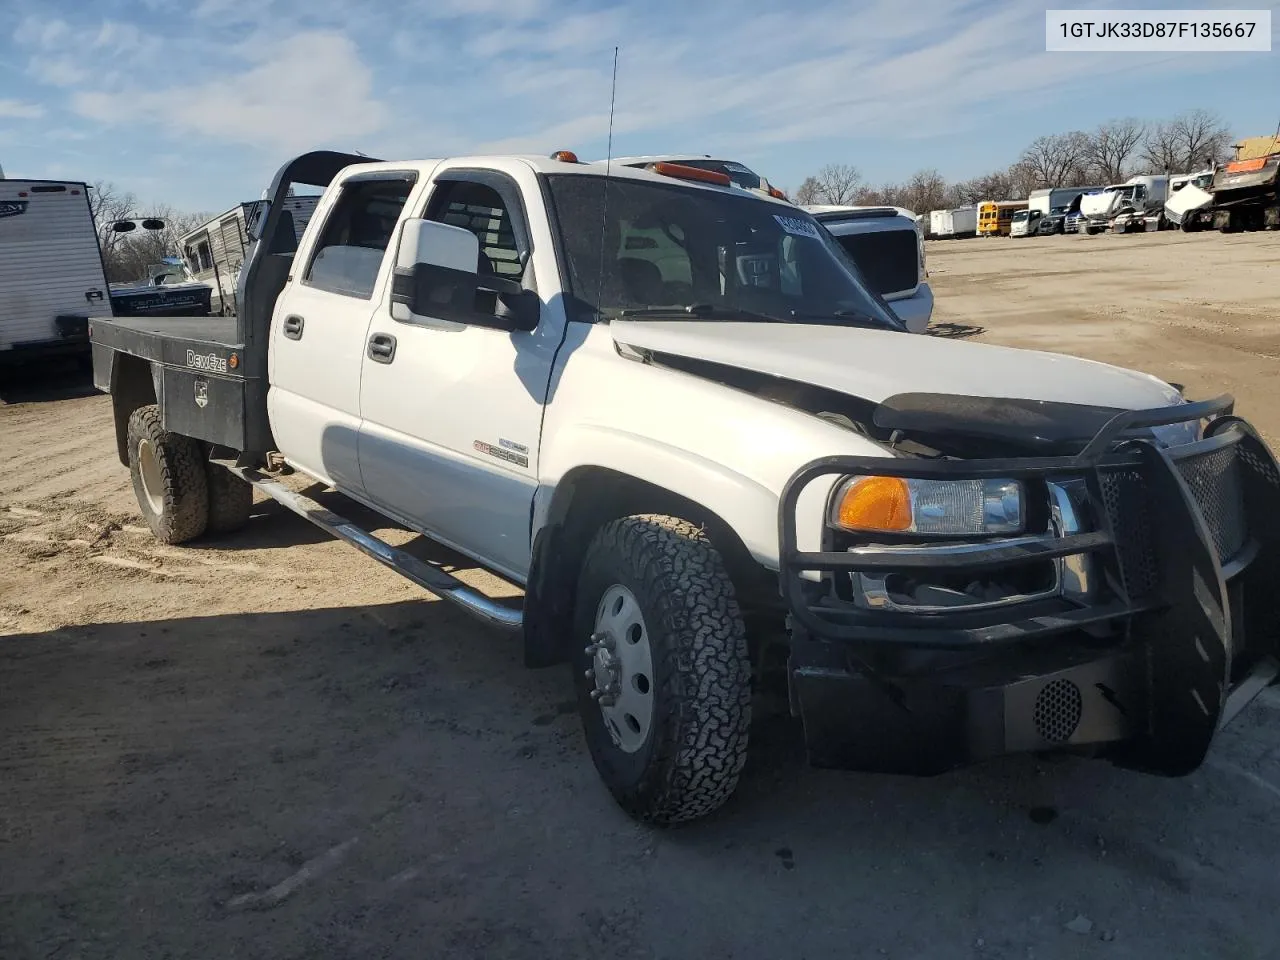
pixel 230 499
pixel 186 492
pixel 703 668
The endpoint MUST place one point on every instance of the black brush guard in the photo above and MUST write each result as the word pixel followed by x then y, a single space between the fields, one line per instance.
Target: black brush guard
pixel 1185 631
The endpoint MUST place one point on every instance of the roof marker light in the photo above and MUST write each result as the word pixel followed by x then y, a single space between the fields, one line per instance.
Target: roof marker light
pixel 565 156
pixel 682 172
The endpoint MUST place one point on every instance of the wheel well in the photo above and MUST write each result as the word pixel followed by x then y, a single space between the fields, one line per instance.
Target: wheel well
pixel 585 500
pixel 131 388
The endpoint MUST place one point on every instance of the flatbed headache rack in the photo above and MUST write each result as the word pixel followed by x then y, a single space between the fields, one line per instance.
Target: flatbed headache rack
pixel 210 373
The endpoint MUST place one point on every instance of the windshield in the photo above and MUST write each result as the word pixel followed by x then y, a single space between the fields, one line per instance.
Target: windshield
pixel 1021 215
pixel 730 255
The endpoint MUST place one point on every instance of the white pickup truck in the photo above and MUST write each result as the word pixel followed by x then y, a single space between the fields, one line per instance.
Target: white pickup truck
pixel 671 412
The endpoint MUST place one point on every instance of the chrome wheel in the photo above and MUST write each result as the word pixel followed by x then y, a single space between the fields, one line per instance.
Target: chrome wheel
pixel 152 480
pixel 622 668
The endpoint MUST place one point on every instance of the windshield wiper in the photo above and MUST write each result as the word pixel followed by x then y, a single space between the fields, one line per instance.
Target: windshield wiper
pixel 699 311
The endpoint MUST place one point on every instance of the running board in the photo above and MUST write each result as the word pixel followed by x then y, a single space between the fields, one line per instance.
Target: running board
pixel 444 585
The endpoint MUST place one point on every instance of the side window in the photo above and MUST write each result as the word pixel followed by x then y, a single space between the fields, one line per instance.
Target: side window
pixel 356 236
pixel 479 208
pixel 203 256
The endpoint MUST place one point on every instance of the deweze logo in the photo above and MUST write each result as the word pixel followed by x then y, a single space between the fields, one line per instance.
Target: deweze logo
pixel 211 362
pixel 12 208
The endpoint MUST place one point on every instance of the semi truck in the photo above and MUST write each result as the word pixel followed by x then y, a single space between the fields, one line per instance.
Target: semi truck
pixel 675 414
pixel 1136 204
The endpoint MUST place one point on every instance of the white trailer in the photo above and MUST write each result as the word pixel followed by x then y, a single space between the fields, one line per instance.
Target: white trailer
pixel 215 250
pixel 959 222
pixel 52 282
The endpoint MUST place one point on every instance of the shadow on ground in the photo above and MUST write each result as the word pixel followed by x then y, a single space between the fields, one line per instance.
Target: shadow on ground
pixel 954 331
pixel 44 381
pixel 387 781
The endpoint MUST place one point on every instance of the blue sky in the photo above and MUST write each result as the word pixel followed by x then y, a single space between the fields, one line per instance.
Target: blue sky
pixel 196 102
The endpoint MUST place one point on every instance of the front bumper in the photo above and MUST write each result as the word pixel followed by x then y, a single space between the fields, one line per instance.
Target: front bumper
pixel 1180 631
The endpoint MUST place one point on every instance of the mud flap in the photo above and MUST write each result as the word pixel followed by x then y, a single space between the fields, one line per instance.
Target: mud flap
pixel 1186 646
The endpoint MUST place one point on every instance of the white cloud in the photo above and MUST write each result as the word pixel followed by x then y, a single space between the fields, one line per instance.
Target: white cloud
pixel 40 31
pixel 57 71
pixel 307 90
pixel 18 110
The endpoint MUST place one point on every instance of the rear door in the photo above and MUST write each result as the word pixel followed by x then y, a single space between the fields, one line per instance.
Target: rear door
pixel 452 417
pixel 319 327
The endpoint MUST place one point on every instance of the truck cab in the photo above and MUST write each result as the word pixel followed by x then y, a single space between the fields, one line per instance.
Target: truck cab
pixel 714 459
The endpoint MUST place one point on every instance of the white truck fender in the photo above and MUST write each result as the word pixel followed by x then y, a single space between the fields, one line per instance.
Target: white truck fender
pixel 748 507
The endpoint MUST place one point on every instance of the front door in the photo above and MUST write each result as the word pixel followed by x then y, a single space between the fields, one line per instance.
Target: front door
pixel 452 417
pixel 319 328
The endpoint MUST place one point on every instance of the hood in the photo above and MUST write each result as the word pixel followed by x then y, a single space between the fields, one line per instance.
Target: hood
pixel 1098 204
pixel 877 364
pixel 1189 197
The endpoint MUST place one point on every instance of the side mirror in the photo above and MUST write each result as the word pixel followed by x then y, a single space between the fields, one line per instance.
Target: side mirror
pixel 435 277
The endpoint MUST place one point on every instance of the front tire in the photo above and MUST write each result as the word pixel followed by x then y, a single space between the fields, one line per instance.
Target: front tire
pixel 662 670
pixel 168 478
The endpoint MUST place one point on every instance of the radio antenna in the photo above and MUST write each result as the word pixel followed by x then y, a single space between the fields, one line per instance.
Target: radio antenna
pixel 608 164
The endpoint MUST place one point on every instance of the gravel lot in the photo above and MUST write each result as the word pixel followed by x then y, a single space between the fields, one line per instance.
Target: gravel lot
pixel 269 746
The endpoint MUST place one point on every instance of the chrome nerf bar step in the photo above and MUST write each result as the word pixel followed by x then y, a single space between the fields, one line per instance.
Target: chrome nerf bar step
pixel 442 584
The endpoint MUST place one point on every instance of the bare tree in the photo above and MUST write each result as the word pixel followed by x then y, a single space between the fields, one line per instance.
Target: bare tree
pixel 992 186
pixel 1111 148
pixel 1160 150
pixel 808 192
pixel 1055 159
pixel 1186 143
pixel 927 190
pixel 886 195
pixel 1203 137
pixel 107 204
pixel 1024 177
pixel 836 184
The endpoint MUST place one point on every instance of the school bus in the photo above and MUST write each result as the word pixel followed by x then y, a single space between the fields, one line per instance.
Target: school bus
pixel 996 216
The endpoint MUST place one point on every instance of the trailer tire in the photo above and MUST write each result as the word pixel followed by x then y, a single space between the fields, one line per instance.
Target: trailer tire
pixel 168 478
pixel 230 499
pixel 657 589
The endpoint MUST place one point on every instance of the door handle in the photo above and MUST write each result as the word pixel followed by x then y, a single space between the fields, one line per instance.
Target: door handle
pixel 382 348
pixel 293 327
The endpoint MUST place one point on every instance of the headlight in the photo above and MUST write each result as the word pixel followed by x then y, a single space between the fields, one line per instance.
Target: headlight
pixel 941 507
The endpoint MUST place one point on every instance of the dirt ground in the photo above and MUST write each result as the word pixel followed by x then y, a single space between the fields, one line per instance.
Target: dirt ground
pixel 269 746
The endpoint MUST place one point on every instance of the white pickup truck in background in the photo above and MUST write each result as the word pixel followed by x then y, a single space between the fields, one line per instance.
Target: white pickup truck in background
pixel 671 411
pixel 887 244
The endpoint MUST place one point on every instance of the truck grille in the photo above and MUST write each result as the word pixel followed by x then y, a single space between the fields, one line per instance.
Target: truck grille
pixel 1215 482
pixel 889 259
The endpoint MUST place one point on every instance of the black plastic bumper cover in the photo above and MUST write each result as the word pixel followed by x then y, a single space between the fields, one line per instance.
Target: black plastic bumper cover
pixel 1196 625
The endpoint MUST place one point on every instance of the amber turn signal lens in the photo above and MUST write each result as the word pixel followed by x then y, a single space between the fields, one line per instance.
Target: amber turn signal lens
pixel 233 361
pixel 875 503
